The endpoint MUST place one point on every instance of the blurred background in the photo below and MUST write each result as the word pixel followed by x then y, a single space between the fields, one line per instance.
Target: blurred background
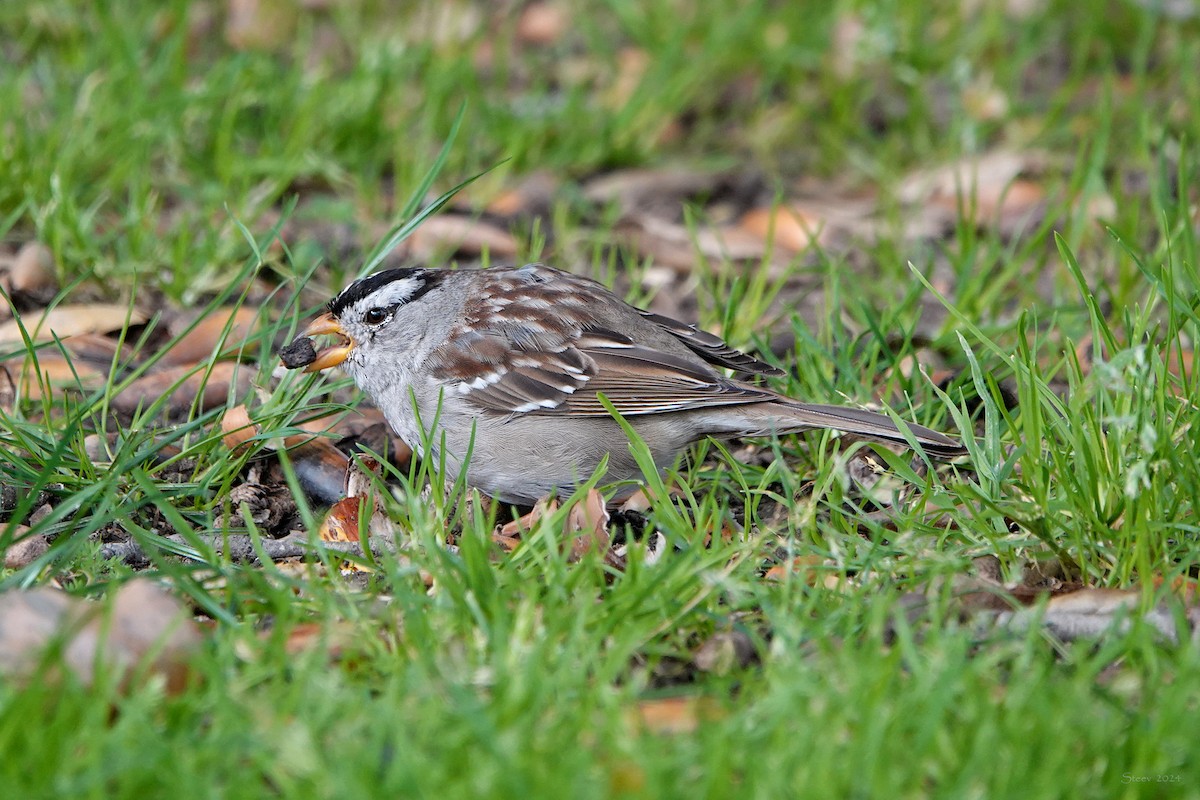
pixel 680 137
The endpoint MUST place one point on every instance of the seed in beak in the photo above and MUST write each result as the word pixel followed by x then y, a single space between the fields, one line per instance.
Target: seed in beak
pixel 302 353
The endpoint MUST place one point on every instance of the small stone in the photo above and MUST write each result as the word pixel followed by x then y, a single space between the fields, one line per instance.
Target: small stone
pixel 299 353
pixel 25 549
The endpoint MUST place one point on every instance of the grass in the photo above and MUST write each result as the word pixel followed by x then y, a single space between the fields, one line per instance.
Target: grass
pixel 157 160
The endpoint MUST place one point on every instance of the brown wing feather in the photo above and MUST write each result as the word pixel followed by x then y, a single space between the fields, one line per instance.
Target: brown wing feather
pixel 712 349
pixel 641 381
pixel 546 370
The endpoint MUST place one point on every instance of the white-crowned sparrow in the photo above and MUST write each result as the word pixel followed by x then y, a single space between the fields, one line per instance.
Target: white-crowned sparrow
pixel 505 365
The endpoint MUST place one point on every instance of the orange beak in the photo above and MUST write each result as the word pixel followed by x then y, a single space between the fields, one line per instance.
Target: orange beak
pixel 326 325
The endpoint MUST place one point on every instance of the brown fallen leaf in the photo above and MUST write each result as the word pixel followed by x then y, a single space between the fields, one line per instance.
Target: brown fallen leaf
pixel 139 627
pixel 989 189
pixel 507 543
pixel 236 427
pixel 587 526
pixel 202 341
pixel 803 567
pixel 8 391
pixel 673 715
pixel 344 521
pixel 542 23
pixel 532 195
pixel 258 24
pixel 83 367
pixel 184 385
pixel 1187 589
pixel 541 508
pixel 70 320
pixel 632 64
pixel 636 191
pixel 789 227
pixel 358 511
pixel 461 235
pixel 56 373
pixel 674 245
pixel 32 273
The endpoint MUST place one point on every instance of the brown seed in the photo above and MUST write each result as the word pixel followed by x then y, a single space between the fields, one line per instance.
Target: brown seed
pixel 300 353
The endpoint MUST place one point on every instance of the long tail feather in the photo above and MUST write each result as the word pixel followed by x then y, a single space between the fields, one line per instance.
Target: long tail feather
pixel 867 424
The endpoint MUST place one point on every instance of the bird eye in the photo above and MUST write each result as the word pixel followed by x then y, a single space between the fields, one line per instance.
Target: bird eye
pixel 375 316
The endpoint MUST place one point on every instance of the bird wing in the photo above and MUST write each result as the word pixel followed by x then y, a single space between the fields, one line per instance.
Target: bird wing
pixel 712 349
pixel 551 367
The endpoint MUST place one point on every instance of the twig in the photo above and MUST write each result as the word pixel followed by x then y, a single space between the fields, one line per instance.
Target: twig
pixel 240 548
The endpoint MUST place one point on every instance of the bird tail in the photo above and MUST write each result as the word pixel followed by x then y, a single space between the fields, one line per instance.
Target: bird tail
pixel 793 417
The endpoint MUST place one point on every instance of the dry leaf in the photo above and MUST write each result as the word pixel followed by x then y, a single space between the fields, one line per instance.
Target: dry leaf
pixel 236 427
pixel 55 372
pixel 636 189
pixel 203 339
pixel 1090 613
pixel 259 24
pixel 8 391
pixel 587 525
pixel 140 627
pixel 345 520
pixel 507 543
pixel 461 235
pixel 675 246
pixel 533 195
pixel 632 63
pixel 185 385
pixel 789 227
pixel 802 567
pixel 989 189
pixel 70 320
pixel 32 272
pixel 674 715
pixel 542 23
